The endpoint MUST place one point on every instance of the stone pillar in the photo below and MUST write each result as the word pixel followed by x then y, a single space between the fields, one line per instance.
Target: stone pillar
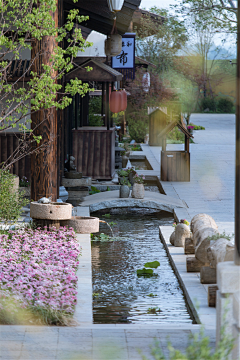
pixel 44 179
pixel 228 282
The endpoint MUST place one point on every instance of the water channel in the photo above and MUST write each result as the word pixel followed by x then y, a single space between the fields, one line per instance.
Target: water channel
pixel 120 296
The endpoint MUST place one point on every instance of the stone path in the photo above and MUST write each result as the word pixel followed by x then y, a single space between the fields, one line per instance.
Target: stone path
pixel 210 191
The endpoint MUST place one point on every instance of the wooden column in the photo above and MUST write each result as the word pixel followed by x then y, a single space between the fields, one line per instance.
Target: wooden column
pixel 107 106
pixel 77 102
pixel 186 143
pixel 44 165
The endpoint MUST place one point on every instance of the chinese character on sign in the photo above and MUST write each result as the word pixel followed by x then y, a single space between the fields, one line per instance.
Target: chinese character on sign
pixel 122 57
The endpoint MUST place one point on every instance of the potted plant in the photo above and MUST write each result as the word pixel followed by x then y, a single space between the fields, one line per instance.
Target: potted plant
pixel 131 173
pixel 122 173
pixel 124 188
pixel 24 186
pixel 138 187
pixel 190 129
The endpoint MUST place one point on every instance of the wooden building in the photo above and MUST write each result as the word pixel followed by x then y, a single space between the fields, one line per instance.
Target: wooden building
pixel 175 165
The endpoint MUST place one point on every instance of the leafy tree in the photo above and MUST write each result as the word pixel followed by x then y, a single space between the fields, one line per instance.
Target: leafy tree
pixel 159 43
pixel 23 23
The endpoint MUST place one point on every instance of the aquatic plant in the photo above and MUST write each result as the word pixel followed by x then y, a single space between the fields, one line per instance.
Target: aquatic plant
pixel 221 236
pixel 38 274
pixel 154 310
pixel 148 269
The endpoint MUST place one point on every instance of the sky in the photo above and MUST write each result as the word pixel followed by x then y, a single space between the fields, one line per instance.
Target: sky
pixel 159 3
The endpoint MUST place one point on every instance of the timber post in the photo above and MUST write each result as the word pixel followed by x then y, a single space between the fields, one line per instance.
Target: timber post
pixel 44 164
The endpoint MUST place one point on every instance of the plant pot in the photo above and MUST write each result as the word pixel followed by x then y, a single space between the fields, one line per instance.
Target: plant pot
pixel 124 191
pixel 83 224
pixel 138 191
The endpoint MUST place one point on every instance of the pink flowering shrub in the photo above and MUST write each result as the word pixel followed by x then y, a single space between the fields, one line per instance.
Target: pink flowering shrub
pixel 38 270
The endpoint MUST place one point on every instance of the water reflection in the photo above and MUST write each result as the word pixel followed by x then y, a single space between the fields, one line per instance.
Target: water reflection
pixel 123 297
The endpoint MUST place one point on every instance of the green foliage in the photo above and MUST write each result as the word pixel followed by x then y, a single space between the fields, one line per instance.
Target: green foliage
pixel 24 182
pixel 148 272
pixel 221 236
pixel 125 181
pixel 138 128
pixel 152 295
pixel 122 172
pixel 154 310
pixel 175 136
pixel 107 215
pixel 145 272
pixel 198 348
pixel 197 127
pixel 225 106
pixel 103 238
pixel 11 199
pixel 29 21
pixel 208 103
pixel 95 109
pixel 14 314
pixel 152 265
pixel 96 295
pixel 94 190
pixel 159 44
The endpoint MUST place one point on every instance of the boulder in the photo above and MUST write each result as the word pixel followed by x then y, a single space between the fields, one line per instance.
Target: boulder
pixel 202 219
pixel 182 232
pixel 220 250
pixel 172 238
pixel 203 243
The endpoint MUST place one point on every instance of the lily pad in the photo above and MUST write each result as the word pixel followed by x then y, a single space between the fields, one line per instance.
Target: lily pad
pixel 153 264
pixel 145 272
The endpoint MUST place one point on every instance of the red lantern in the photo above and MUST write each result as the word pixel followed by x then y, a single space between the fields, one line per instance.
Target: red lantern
pixel 115 101
pixel 124 100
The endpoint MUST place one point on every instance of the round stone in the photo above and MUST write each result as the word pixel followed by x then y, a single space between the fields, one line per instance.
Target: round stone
pixel 83 224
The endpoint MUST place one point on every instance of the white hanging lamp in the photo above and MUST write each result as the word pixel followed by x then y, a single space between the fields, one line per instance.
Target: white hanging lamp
pixel 115 5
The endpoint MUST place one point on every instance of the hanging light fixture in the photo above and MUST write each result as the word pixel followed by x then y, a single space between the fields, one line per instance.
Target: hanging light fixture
pixel 115 5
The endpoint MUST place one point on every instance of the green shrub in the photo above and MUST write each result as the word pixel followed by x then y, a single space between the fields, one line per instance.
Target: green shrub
pixel 95 108
pixel 198 348
pixel 225 106
pixel 11 200
pixel 137 128
pixel 208 103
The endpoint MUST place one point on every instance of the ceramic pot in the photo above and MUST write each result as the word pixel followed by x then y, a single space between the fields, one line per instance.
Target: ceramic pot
pixel 124 191
pixel 138 191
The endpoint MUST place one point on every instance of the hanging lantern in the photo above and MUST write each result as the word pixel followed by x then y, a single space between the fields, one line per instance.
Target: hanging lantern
pixel 113 45
pixel 123 100
pixel 115 101
pixel 115 5
pixel 146 82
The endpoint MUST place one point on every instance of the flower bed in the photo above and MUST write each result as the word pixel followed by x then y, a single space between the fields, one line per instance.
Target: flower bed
pixel 38 281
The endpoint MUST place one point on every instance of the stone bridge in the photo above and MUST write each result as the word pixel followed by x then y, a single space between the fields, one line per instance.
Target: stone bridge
pixel 152 200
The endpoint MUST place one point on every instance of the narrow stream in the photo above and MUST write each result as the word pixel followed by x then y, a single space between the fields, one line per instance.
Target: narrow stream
pixel 120 296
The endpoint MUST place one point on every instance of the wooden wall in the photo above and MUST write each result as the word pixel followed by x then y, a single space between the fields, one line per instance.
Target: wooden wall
pixel 94 151
pixel 175 166
pixel 157 122
pixel 8 143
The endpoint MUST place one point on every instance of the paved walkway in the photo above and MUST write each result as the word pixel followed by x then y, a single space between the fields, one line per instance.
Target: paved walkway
pixel 210 191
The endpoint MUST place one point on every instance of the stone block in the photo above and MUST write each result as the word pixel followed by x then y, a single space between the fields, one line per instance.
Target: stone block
pixel 220 250
pixel 236 308
pixel 224 310
pixel 228 277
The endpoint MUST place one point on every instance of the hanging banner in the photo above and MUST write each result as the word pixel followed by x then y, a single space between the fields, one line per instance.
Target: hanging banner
pixel 125 61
